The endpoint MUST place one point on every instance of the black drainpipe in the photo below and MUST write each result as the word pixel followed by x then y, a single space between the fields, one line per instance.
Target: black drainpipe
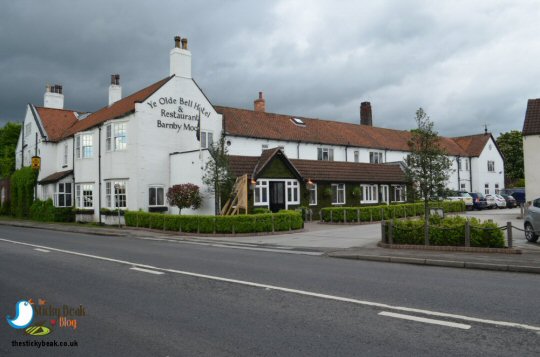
pixel 73 167
pixel 99 174
pixel 458 169
pixel 470 173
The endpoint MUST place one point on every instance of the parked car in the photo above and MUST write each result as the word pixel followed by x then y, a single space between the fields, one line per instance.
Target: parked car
pixel 491 202
pixel 501 202
pixel 510 200
pixel 517 193
pixel 462 196
pixel 532 221
pixel 479 201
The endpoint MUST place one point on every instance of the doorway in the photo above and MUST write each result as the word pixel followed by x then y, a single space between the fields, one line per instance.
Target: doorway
pixel 277 195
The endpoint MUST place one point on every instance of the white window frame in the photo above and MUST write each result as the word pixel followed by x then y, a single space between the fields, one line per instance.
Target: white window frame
pixel 27 129
pixel 486 188
pixel 112 196
pixel 399 193
pixel 356 156
pixel 84 141
pixel 497 189
pixel 84 200
pixel 370 193
pixel 385 194
pixel 376 157
pixel 65 156
pixel 113 136
pixel 207 139
pixel 260 192
pixel 338 187
pixel 313 195
pixel 325 154
pixel 61 191
pixel 156 188
pixel 491 166
pixel 292 195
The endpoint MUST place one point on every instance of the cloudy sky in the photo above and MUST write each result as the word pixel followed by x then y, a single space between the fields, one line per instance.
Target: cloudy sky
pixel 467 63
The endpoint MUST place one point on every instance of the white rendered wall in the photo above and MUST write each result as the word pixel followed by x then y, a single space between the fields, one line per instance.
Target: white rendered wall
pixel 531 153
pixel 480 172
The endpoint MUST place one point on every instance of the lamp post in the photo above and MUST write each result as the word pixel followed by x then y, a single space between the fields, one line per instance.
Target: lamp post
pixel 116 194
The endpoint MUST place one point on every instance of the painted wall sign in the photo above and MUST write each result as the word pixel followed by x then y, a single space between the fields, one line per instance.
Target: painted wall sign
pixel 187 111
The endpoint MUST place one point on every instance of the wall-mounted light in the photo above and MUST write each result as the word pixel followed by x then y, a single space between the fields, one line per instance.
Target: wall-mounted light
pixel 310 184
pixel 252 184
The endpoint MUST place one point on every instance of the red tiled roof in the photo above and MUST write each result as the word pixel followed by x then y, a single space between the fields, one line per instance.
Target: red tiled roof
pixel 249 123
pixel 473 144
pixel 56 121
pixel 531 126
pixel 118 109
pixel 317 170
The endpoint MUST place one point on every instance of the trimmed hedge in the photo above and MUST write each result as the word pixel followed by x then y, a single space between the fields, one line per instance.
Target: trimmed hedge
pixel 22 186
pixel 45 211
pixel 382 212
pixel 448 231
pixel 282 221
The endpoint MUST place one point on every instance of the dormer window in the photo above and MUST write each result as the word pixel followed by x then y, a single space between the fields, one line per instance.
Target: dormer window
pixel 298 121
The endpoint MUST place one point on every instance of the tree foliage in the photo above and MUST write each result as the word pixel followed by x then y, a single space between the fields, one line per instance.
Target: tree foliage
pixel 511 146
pixel 185 195
pixel 23 182
pixel 428 166
pixel 217 174
pixel 9 135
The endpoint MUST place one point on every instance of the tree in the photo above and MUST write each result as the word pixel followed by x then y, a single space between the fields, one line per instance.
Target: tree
pixel 428 166
pixel 511 146
pixel 185 195
pixel 9 135
pixel 217 175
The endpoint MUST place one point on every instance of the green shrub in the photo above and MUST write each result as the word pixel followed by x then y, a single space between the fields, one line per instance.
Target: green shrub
pixel 45 211
pixel 260 210
pixel 5 210
pixel 449 231
pixel 23 182
pixel 219 224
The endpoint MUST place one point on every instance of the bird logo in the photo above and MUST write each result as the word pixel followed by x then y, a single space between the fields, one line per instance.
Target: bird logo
pixel 24 315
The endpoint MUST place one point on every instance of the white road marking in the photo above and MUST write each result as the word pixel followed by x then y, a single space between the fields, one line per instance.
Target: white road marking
pixel 423 319
pixel 147 271
pixel 292 291
pixel 42 250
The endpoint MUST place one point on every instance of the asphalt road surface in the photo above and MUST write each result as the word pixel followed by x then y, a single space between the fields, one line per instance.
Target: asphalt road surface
pixel 145 297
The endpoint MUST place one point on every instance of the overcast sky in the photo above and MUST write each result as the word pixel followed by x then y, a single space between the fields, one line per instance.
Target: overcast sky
pixel 467 63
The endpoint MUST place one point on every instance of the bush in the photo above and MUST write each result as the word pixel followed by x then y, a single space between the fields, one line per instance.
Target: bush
pixel 23 182
pixel 282 221
pixel 378 213
pixel 449 231
pixel 260 210
pixel 5 210
pixel 45 211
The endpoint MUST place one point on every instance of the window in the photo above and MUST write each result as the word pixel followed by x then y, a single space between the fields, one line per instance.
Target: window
pixel 27 129
pixel 116 136
pixel 491 166
pixel 497 191
pixel 264 147
pixel 156 196
pixel 313 195
pixel 369 194
pixel 486 188
pixel 399 193
pixel 292 192
pixel 466 164
pixel 62 197
pixel 115 194
pixel 207 139
pixel 459 164
pixel 298 121
pixel 375 157
pixel 84 147
pixel 462 186
pixel 261 193
pixel 65 160
pixel 325 154
pixel 356 156
pixel 338 193
pixel 84 195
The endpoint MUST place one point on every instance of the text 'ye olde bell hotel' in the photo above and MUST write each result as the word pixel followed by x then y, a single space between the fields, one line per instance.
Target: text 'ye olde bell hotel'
pixel 128 153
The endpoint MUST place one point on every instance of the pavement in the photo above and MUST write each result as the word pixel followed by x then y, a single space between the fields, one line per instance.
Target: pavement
pixel 343 241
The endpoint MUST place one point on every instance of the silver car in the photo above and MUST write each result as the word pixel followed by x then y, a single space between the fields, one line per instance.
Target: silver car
pixel 532 221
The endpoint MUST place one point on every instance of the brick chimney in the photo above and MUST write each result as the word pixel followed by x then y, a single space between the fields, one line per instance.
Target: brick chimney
pixel 54 97
pixel 259 105
pixel 180 58
pixel 365 114
pixel 115 90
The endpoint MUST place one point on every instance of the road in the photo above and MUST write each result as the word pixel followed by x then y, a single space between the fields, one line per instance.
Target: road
pixel 145 297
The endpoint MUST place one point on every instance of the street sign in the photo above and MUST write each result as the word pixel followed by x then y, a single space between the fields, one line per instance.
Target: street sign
pixel 36 162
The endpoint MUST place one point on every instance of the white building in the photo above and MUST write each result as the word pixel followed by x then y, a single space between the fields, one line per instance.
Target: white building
pixel 531 152
pixel 129 153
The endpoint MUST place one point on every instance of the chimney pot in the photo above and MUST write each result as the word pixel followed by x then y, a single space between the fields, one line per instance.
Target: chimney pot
pixel 365 114
pixel 53 97
pixel 177 41
pixel 115 91
pixel 184 44
pixel 259 105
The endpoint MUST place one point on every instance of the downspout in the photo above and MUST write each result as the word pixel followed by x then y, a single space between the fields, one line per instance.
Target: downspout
pixel 458 158
pixel 35 154
pixel 346 152
pixel 73 166
pixel 298 150
pixel 99 174
pixel 385 150
pixel 470 174
pixel 22 146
